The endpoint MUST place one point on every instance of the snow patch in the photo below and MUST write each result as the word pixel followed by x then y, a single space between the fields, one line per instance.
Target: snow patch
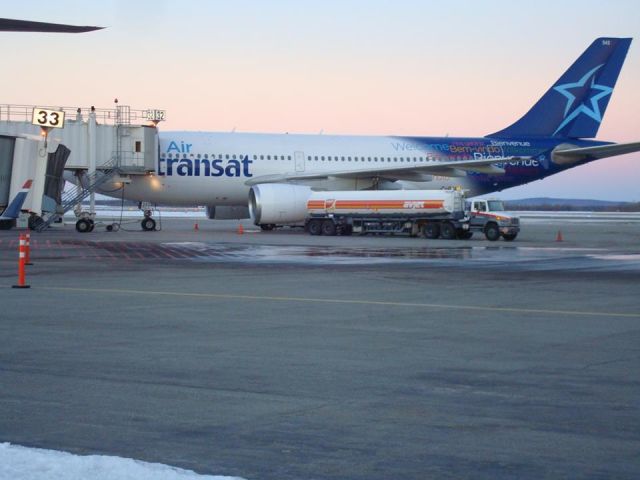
pixel 22 463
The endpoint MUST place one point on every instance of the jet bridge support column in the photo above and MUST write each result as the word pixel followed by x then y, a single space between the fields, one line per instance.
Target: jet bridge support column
pixel 93 139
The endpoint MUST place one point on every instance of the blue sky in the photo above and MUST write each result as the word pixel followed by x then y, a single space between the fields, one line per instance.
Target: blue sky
pixel 346 67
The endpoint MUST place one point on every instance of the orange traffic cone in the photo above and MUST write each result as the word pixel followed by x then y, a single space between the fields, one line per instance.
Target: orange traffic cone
pixel 195 226
pixel 22 283
pixel 559 237
pixel 240 229
pixel 27 250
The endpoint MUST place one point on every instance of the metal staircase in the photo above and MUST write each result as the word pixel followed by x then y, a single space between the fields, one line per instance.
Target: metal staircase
pixel 88 185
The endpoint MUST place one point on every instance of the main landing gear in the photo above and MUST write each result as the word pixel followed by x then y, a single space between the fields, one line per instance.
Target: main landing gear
pixel 148 224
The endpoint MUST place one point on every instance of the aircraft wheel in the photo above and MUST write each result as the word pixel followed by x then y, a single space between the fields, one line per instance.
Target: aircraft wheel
pixel 509 237
pixel 148 224
pixel 465 234
pixel 267 227
pixel 83 226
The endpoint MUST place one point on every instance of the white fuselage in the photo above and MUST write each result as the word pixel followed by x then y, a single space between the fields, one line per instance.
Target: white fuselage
pixel 202 168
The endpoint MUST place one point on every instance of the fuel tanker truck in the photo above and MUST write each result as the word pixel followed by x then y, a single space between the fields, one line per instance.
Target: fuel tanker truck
pixel 433 213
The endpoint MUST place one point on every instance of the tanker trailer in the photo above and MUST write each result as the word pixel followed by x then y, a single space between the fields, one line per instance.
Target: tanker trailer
pixel 430 212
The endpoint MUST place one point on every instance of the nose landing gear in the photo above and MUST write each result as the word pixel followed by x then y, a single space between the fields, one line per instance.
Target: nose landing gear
pixel 148 224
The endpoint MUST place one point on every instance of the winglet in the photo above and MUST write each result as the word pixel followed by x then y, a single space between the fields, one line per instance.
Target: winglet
pixel 13 210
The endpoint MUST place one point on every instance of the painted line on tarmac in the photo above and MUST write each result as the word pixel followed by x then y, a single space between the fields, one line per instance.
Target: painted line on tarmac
pixel 229 296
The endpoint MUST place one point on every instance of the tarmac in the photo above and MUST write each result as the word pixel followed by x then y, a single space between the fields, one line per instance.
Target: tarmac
pixel 277 355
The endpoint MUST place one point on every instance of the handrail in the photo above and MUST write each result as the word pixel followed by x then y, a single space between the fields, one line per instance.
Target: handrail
pixel 109 116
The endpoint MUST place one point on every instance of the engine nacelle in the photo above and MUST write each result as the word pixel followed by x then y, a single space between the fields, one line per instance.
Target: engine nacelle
pixel 227 212
pixel 278 203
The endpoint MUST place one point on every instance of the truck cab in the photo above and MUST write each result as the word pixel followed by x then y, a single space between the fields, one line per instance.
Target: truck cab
pixel 490 217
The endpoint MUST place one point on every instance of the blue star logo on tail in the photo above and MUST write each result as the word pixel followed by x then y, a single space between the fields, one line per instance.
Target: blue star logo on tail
pixel 592 111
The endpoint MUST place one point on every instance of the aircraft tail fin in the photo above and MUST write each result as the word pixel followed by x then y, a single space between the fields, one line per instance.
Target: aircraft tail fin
pixel 13 209
pixel 574 106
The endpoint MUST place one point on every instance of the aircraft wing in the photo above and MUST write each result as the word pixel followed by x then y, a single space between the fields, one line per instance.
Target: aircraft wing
pixel 9 25
pixel 597 152
pixel 413 172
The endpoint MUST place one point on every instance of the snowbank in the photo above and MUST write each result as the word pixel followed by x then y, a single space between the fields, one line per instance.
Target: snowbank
pixel 22 463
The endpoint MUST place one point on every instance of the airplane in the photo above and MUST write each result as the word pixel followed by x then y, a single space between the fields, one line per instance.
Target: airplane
pixel 269 176
pixel 9 215
pixel 10 25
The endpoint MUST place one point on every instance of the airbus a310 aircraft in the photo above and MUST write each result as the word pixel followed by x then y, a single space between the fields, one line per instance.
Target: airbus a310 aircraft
pixel 272 174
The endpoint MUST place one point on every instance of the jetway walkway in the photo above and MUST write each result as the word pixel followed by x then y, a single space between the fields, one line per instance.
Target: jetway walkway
pixel 96 137
pixel 99 144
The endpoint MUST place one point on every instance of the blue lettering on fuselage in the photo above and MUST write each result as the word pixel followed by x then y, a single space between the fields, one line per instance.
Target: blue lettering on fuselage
pixel 203 167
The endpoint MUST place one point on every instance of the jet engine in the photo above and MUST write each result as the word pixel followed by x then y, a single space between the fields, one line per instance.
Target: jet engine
pixel 278 203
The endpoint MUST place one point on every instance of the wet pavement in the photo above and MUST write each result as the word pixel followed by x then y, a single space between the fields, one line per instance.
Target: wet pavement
pixel 283 356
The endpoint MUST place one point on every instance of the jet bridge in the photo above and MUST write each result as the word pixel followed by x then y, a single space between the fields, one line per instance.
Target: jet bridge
pixel 102 144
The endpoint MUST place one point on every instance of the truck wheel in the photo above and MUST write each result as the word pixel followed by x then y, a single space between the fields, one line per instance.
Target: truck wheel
pixel 328 228
pixel 509 237
pixel 464 234
pixel 447 231
pixel 315 227
pixel 492 232
pixel 431 230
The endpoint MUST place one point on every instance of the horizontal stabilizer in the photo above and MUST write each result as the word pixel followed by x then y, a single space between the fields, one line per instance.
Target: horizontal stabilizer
pixel 570 155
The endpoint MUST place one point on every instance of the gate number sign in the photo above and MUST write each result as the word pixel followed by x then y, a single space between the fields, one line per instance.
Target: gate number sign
pixel 44 117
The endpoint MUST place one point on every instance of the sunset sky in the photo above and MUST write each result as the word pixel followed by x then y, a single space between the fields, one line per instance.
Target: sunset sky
pixel 462 68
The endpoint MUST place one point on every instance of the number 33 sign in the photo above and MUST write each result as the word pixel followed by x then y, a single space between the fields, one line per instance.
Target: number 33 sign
pixel 47 118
